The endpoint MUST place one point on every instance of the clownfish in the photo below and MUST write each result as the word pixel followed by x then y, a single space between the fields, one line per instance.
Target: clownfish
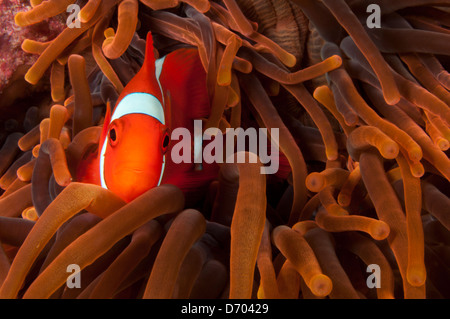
pixel 134 147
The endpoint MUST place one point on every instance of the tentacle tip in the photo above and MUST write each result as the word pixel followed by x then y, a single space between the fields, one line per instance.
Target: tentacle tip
pixel 314 182
pixel 415 154
pixel 321 285
pixel 379 230
pixel 30 214
pixel 203 6
pixel 20 20
pixel 337 61
pixel 224 78
pixel 31 78
pixel 351 119
pixel 277 231
pixel 109 33
pixel 319 91
pixel 84 17
pixel 443 144
pixel 25 45
pixel 390 150
pixel 332 155
pixel 392 98
pixel 64 181
pixel 290 60
pixel 343 200
pixel 22 147
pixel 416 276
pixel 418 170
pixel 57 97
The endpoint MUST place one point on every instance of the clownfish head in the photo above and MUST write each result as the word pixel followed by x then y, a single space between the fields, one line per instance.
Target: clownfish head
pixel 135 137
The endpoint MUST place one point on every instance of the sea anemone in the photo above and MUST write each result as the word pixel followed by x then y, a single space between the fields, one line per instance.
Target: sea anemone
pixel 364 132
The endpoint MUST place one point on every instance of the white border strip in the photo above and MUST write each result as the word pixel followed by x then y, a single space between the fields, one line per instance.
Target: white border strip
pixel 139 103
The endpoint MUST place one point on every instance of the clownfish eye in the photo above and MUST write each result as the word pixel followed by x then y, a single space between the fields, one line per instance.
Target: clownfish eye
pixel 112 135
pixel 166 142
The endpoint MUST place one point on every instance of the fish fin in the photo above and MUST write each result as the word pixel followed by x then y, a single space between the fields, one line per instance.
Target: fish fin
pixel 145 80
pixel 87 170
pixel 184 76
pixel 189 180
pixel 284 168
pixel 149 61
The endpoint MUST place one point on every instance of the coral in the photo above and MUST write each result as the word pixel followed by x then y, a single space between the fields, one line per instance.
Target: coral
pixel 13 60
pixel 364 131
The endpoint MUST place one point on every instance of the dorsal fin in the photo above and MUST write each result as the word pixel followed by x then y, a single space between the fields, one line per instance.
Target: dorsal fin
pixel 184 77
pixel 149 61
pixel 145 80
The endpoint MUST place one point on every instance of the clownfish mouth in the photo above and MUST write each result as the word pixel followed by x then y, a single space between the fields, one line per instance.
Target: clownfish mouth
pixel 135 170
pixel 138 172
pixel 130 180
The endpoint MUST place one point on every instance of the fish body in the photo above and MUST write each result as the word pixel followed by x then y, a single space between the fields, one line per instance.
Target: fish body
pixel 135 146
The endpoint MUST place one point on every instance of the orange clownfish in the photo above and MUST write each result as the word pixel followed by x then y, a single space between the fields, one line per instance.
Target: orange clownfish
pixel 134 147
